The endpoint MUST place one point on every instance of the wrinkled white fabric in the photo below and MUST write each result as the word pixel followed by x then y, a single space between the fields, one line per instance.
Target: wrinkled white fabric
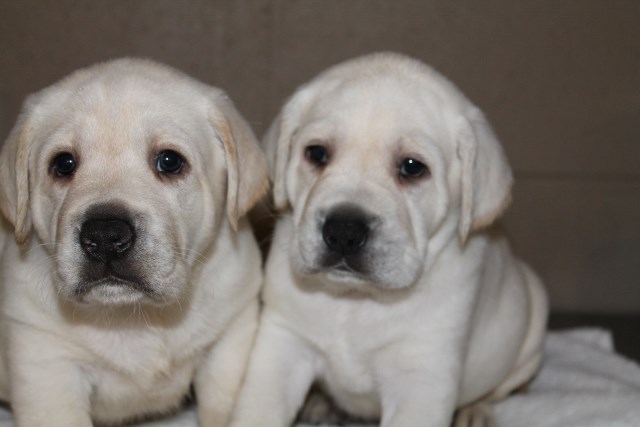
pixel 582 383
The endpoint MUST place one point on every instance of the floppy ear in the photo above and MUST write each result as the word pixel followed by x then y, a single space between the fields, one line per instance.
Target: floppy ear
pixel 486 175
pixel 14 177
pixel 277 142
pixel 247 179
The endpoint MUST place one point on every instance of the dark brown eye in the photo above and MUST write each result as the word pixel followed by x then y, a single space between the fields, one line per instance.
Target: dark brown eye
pixel 412 168
pixel 64 164
pixel 317 155
pixel 169 162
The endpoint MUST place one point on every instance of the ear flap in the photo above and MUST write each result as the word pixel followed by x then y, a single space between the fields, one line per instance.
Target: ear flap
pixel 247 179
pixel 277 142
pixel 14 178
pixel 486 175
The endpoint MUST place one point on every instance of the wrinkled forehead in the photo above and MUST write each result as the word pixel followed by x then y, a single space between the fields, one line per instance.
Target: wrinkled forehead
pixel 118 107
pixel 121 95
pixel 381 107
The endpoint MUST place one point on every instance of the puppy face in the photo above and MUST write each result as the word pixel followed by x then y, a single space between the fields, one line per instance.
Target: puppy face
pixel 130 166
pixel 374 160
pixel 368 185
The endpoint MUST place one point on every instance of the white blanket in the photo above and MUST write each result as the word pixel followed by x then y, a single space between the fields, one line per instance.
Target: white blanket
pixel 583 383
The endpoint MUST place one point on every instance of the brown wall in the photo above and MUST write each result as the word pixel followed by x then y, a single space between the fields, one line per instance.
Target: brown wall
pixel 558 79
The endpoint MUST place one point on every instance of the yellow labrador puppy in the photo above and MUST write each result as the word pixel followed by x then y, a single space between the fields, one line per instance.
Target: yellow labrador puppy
pixel 381 285
pixel 133 275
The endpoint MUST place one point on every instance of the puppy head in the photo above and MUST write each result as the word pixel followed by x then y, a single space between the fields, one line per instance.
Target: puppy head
pixel 382 161
pixel 124 170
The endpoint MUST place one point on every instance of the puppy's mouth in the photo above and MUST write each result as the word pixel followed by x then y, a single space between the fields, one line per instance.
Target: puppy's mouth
pixel 343 265
pixel 339 278
pixel 113 290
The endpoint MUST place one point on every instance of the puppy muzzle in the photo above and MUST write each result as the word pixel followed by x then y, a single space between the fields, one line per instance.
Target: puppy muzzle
pixel 108 238
pixel 346 230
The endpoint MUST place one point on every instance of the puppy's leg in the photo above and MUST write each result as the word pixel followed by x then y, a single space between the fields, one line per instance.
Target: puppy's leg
pixel 280 373
pixel 47 389
pixel 480 413
pixel 218 381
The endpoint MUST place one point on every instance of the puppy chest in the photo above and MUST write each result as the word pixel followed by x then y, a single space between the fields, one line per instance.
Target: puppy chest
pixel 349 378
pixel 136 374
pixel 153 388
pixel 348 354
pixel 354 338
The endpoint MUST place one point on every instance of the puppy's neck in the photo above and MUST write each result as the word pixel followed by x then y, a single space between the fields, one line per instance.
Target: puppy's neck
pixel 125 317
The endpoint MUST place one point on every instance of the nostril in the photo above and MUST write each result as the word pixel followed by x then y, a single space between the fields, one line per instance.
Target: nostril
pixel 88 244
pixel 106 239
pixel 329 239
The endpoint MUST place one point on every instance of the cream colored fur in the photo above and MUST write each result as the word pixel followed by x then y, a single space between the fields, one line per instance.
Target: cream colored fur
pixel 439 314
pixel 117 352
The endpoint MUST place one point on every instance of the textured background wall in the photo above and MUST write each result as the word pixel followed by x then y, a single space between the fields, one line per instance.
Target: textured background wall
pixel 560 81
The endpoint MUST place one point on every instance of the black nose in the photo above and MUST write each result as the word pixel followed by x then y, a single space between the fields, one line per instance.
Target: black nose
pixel 345 233
pixel 106 239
